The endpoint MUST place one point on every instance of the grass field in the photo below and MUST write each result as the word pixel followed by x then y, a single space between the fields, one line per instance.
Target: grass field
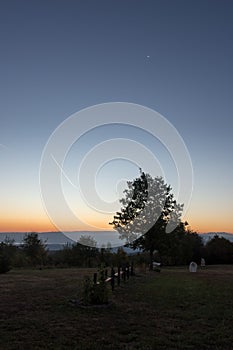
pixel 170 310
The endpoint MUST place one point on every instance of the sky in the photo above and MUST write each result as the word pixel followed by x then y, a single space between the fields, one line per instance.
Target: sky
pixel 61 56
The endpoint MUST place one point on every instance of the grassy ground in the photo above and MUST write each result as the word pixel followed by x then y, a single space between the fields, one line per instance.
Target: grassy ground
pixel 170 310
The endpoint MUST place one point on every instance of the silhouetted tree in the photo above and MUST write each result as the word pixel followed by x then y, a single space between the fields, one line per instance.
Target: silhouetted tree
pixel 83 253
pixel 219 251
pixel 4 263
pixel 120 258
pixel 86 247
pixel 105 256
pixel 147 208
pixel 34 249
pixel 7 254
pixel 180 246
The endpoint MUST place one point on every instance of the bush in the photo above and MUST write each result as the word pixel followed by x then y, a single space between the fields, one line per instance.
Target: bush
pixel 4 264
pixel 95 294
pixel 34 249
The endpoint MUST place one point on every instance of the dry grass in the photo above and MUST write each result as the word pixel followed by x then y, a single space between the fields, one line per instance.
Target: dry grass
pixel 171 310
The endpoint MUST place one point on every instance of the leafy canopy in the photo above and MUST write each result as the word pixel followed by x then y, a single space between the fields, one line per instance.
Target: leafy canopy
pixel 148 210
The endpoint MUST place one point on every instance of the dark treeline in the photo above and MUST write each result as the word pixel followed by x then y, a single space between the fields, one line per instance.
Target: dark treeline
pixel 33 253
pixel 218 251
pixel 148 206
pixel 175 248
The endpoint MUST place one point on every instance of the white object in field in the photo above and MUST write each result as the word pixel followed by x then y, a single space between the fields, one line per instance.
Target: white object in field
pixel 202 262
pixel 156 264
pixel 193 267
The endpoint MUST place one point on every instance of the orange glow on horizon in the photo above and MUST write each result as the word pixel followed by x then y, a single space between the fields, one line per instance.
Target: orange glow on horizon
pixel 45 225
pixel 203 226
pixel 37 221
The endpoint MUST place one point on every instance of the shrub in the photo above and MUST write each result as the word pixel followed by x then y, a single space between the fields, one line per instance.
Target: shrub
pixel 100 294
pixel 87 291
pixel 4 264
pixel 94 294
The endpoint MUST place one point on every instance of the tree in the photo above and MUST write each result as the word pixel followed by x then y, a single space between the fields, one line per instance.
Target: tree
pixel 34 249
pixel 180 246
pixel 86 248
pixel 82 253
pixel 148 212
pixel 87 240
pixel 219 250
pixel 4 263
pixel 7 254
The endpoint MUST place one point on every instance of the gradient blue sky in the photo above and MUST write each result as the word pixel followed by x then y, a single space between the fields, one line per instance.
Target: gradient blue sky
pixel 59 56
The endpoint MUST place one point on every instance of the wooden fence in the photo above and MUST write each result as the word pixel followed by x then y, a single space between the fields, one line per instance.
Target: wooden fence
pixel 123 273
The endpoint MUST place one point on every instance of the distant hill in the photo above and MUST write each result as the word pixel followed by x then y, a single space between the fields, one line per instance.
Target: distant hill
pixel 57 240
pixel 210 235
pixel 53 240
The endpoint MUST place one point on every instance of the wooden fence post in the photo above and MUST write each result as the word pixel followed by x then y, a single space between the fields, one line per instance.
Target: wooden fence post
pixel 127 272
pixel 131 269
pixel 112 278
pixel 118 275
pixel 124 273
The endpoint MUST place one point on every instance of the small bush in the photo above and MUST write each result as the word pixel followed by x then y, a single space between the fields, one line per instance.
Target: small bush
pixel 87 291
pixel 100 294
pixel 94 294
pixel 4 264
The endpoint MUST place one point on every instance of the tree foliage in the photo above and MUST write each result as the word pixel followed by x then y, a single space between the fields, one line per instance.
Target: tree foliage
pixel 86 248
pixel 83 253
pixel 7 254
pixel 179 247
pixel 219 251
pixel 34 249
pixel 148 211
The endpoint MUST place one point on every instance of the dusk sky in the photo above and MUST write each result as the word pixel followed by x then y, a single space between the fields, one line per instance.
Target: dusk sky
pixel 61 56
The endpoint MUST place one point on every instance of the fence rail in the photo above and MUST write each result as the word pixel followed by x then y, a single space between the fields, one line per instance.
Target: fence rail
pixel 122 273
